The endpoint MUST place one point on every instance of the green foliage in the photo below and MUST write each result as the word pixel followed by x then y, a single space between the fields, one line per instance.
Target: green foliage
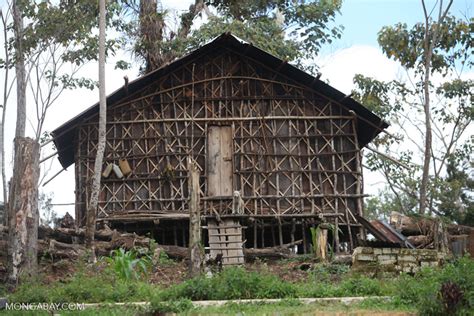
pixel 128 265
pixel 292 30
pixel 351 285
pixel 325 272
pixel 82 287
pixel 47 214
pixel 165 260
pixel 424 289
pixel 231 283
pixel 401 102
pixel 407 46
pixel 454 192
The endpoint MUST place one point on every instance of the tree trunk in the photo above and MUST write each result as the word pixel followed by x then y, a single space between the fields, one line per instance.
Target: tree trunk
pixel 419 241
pixel 6 71
pixel 195 246
pixel 428 132
pixel 20 71
pixel 321 240
pixel 94 201
pixel 23 211
pixel 151 33
pixel 430 42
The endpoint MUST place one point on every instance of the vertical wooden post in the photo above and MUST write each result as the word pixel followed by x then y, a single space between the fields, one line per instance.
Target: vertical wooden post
pixel 336 235
pixel 321 240
pixel 255 222
pixel 293 229
pixel 303 231
pixel 23 212
pixel 195 248
pixel 280 232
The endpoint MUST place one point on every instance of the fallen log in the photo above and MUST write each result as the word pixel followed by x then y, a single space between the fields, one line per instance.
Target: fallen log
pixel 68 235
pixel 277 252
pixel 411 226
pixel 419 241
pixel 175 252
pixel 415 226
pixel 268 253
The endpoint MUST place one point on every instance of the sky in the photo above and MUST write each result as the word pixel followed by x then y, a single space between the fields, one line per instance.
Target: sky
pixel 356 52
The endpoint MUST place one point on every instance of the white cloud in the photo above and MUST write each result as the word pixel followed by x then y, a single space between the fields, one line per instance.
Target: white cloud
pixel 340 67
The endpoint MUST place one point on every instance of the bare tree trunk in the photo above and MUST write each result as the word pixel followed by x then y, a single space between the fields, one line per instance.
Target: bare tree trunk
pixel 151 33
pixel 23 211
pixel 430 42
pixel 188 17
pixel 195 251
pixel 4 111
pixel 94 201
pixel 20 71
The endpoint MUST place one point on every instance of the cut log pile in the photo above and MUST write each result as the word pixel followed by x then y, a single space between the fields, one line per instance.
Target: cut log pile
pixel 66 242
pixel 424 232
pixel 60 243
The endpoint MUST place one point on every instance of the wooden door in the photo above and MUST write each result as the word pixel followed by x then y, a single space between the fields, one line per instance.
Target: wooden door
pixel 219 161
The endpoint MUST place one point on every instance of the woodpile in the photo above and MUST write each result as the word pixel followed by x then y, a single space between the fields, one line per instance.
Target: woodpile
pixel 425 232
pixel 68 243
pixel 60 243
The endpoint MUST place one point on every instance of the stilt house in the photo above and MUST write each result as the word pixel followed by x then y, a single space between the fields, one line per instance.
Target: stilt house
pixel 278 150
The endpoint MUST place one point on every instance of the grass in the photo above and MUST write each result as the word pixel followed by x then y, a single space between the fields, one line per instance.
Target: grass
pixel 421 292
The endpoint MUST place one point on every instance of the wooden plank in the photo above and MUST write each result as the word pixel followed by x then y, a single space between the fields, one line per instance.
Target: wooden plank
pixel 219 161
pixel 213 161
pixel 226 160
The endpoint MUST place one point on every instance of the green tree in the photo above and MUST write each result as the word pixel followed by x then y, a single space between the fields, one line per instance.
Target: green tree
pixel 454 194
pixel 292 30
pixel 52 36
pixel 404 105
pixel 99 157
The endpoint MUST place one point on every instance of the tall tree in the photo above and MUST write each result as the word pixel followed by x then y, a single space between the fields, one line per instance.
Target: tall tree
pixel 6 62
pixel 430 42
pixel 404 103
pixel 23 216
pixel 292 30
pixel 20 70
pixel 45 46
pixel 94 200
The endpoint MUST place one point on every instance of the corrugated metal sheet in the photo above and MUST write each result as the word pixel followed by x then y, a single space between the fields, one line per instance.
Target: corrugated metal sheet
pixel 65 136
pixel 384 232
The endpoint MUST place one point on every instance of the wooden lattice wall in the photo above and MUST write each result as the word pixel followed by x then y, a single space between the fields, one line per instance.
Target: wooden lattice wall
pixel 295 152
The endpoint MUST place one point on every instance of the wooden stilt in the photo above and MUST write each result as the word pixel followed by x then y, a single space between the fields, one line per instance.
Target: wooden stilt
pixel 175 235
pixel 195 253
pixel 293 229
pixel 280 232
pixel 255 223
pixel 272 227
pixel 303 231
pixel 183 237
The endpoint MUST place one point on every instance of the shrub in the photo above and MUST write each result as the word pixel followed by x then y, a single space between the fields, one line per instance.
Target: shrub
pixel 82 288
pixel 425 290
pixel 325 272
pixel 232 283
pixel 127 265
pixel 360 286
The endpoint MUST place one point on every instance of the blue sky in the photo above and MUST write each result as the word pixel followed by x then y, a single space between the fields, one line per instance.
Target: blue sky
pixel 362 19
